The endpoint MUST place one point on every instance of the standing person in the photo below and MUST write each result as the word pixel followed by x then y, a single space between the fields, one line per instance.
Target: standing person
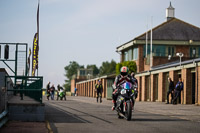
pixel 170 91
pixel 52 92
pixel 48 90
pixel 75 89
pixel 133 76
pixel 58 91
pixel 99 90
pixel 136 81
pixel 178 89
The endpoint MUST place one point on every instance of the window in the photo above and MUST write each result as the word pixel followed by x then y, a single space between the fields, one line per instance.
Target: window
pixel 125 56
pixel 157 50
pixel 170 51
pixel 144 50
pixel 129 54
pixel 135 53
pixel 194 51
pixel 82 72
pixel 130 57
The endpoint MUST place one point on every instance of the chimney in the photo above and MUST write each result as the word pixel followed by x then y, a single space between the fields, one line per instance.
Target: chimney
pixel 170 12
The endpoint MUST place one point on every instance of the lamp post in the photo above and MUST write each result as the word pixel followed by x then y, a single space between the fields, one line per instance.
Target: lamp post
pixel 169 57
pixel 88 76
pixel 180 55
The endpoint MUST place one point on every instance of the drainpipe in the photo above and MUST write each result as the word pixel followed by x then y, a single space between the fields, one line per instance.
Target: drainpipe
pixel 150 88
pixel 197 80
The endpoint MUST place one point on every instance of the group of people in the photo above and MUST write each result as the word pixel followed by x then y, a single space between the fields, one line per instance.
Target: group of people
pixel 175 91
pixel 51 92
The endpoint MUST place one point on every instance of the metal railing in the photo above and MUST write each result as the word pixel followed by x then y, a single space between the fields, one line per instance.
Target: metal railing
pixel 30 86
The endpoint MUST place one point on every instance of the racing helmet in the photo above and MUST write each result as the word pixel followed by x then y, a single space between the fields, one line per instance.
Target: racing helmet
pixel 124 71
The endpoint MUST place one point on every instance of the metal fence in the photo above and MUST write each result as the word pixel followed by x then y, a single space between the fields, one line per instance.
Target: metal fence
pixel 30 86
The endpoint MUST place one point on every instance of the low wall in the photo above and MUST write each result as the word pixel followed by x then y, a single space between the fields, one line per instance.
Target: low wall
pixel 27 112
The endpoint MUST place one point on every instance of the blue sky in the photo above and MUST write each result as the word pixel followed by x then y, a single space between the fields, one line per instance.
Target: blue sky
pixel 86 31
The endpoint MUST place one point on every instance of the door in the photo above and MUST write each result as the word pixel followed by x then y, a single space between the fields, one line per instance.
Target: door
pixel 156 87
pixel 193 88
pixel 148 88
pixel 109 88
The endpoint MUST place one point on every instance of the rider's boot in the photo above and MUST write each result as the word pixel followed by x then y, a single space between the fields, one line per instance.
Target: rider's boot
pixel 113 108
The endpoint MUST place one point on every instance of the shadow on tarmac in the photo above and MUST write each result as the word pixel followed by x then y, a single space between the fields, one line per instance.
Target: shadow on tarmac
pixel 155 120
pixel 87 114
pixel 54 115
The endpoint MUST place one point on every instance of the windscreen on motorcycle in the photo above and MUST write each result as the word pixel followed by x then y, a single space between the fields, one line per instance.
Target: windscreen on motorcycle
pixel 127 85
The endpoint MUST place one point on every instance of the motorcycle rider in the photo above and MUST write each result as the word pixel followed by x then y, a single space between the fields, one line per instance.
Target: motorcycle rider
pixel 123 76
pixel 61 93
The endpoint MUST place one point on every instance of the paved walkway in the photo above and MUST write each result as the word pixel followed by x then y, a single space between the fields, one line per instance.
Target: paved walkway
pixel 24 127
pixel 85 115
pixel 186 112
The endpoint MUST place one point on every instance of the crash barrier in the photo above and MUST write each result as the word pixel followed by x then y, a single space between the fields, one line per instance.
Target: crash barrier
pixel 3 118
pixel 3 107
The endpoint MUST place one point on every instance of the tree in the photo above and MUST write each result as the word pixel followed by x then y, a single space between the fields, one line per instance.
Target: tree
pixel 71 70
pixel 67 85
pixel 95 69
pixel 130 64
pixel 118 67
pixel 107 68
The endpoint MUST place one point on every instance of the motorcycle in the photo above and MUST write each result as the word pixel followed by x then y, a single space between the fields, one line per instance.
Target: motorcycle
pixel 62 94
pixel 125 100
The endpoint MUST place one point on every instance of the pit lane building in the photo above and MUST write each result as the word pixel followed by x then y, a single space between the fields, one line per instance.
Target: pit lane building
pixel 169 38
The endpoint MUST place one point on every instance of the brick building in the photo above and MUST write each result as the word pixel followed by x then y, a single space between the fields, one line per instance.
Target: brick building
pixel 169 38
pixel 82 74
pixel 87 87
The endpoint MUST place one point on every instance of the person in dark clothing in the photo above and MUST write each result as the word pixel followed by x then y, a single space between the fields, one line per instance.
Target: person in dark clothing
pixel 62 93
pixel 58 91
pixel 133 75
pixel 170 91
pixel 99 90
pixel 136 81
pixel 52 92
pixel 48 90
pixel 124 76
pixel 177 91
